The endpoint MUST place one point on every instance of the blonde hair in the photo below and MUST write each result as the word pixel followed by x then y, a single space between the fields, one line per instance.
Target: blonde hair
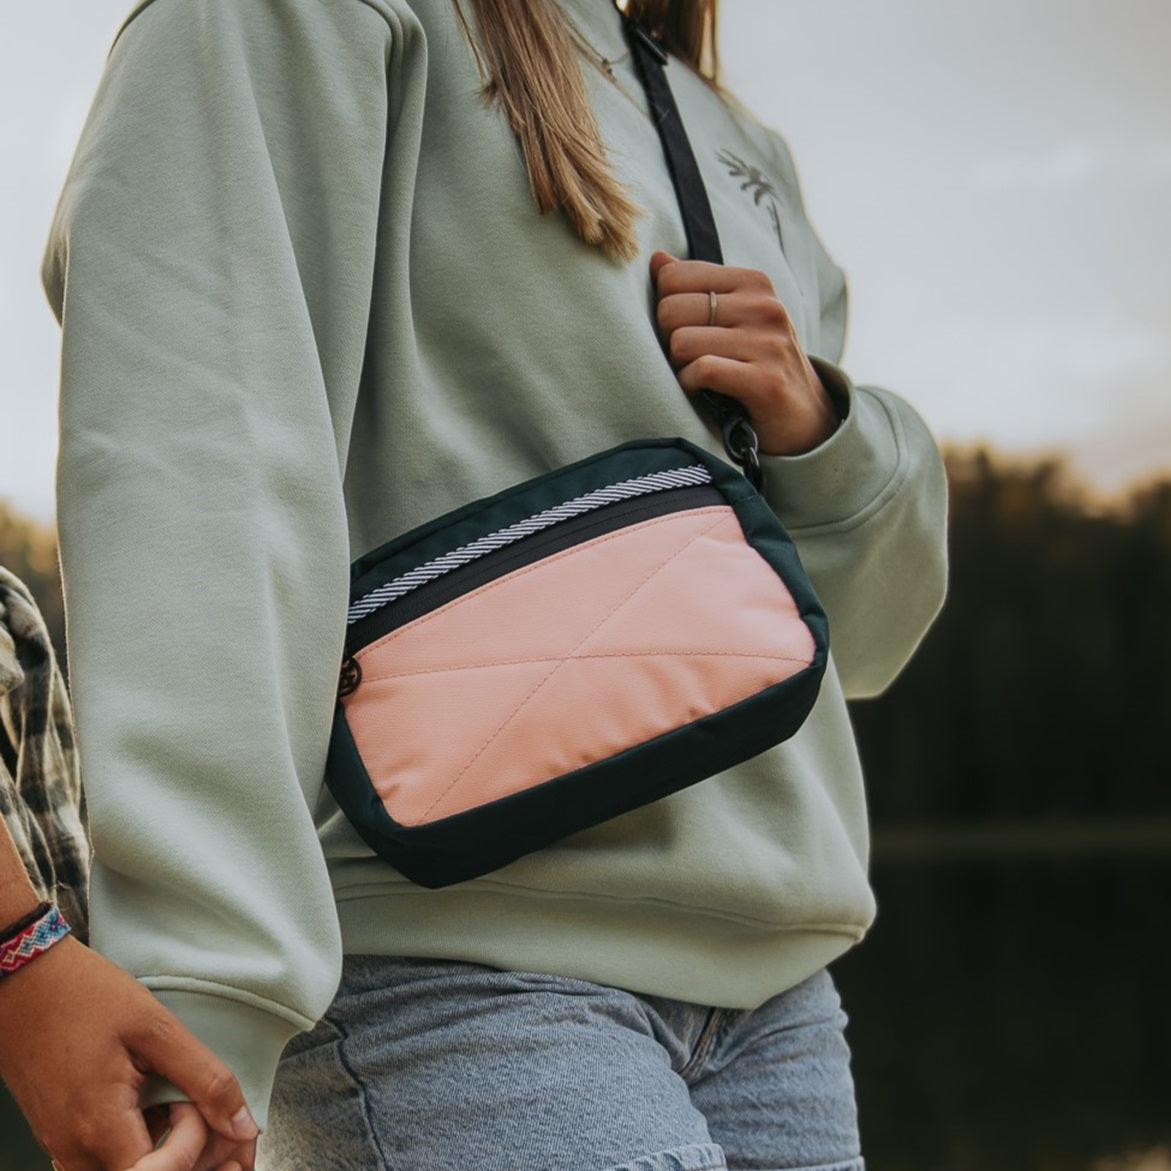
pixel 532 67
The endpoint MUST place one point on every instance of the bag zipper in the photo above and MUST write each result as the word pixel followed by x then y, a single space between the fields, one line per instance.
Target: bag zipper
pixel 398 612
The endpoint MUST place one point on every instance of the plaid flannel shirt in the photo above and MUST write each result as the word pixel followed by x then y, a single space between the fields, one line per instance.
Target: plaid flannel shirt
pixel 40 787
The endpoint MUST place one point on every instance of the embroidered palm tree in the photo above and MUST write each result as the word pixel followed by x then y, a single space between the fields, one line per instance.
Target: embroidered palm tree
pixel 755 180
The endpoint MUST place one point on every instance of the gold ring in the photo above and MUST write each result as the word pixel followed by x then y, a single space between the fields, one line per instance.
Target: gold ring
pixel 713 303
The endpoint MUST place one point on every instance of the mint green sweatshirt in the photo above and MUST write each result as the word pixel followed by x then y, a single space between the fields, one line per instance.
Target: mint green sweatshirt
pixel 307 304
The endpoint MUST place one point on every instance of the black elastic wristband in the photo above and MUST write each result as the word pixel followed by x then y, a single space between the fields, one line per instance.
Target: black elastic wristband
pixel 14 929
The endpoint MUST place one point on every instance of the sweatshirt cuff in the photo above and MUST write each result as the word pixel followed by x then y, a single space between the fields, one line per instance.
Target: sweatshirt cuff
pixel 248 1040
pixel 839 479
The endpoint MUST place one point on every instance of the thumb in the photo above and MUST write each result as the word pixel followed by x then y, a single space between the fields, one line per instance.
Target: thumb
pixel 659 261
pixel 168 1049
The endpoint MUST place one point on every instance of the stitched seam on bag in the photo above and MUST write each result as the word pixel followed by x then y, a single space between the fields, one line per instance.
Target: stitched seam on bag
pixel 655 571
pixel 724 511
pixel 696 654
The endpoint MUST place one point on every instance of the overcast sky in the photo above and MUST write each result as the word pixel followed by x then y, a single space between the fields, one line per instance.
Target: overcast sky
pixel 994 177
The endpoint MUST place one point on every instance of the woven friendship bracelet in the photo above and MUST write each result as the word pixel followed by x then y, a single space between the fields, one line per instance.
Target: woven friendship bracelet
pixel 14 929
pixel 33 940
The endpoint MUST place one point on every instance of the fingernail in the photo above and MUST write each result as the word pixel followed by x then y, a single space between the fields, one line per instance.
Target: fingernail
pixel 244 1125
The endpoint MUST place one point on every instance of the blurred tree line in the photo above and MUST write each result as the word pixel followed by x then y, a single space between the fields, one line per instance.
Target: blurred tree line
pixel 29 550
pixel 1044 689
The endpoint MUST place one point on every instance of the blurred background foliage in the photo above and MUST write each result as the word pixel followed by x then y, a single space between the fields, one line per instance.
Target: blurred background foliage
pixel 28 549
pixel 1044 690
pixel 1009 1010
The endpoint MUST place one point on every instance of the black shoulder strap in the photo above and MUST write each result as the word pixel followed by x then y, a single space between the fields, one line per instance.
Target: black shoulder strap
pixel 703 240
pixel 650 59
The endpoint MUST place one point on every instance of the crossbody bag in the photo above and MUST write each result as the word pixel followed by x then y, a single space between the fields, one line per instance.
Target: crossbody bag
pixel 580 644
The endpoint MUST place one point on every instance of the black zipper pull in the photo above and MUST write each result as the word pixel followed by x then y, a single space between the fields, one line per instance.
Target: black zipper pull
pixel 349 677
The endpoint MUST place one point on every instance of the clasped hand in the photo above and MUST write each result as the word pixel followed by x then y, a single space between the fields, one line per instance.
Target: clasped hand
pixel 750 352
pixel 78 1037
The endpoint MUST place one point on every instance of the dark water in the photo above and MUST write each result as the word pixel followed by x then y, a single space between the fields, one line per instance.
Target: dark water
pixel 1014 1016
pixel 1005 1016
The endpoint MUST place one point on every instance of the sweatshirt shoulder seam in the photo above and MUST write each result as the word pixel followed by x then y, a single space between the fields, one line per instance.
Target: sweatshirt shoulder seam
pixel 143 5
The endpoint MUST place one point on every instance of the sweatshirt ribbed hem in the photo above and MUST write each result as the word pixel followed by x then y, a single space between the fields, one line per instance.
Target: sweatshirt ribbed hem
pixel 653 948
pixel 249 1040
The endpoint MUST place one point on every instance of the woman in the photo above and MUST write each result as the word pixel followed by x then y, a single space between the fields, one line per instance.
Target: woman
pixel 309 301
pixel 78 1036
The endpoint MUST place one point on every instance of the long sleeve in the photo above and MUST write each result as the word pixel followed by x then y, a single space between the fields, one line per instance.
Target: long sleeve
pixel 211 265
pixel 867 508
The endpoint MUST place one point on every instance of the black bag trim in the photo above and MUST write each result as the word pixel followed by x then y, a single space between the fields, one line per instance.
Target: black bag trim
pixel 474 842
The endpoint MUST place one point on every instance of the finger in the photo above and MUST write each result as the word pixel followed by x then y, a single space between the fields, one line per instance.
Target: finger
pixel 170 1050
pixel 742 309
pixel 689 344
pixel 184 1142
pixel 219 1152
pixel 699 276
pixel 248 1161
pixel 738 380
pixel 242 1159
pixel 683 309
pixel 658 259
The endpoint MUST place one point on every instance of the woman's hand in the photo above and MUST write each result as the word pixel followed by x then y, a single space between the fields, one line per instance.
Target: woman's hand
pixel 750 352
pixel 78 1037
pixel 188 1145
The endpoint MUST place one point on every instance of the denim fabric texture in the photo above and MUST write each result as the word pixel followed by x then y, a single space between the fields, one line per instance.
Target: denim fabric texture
pixel 428 1066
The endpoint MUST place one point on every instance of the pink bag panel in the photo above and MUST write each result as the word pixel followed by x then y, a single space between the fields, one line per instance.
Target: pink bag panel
pixel 577 657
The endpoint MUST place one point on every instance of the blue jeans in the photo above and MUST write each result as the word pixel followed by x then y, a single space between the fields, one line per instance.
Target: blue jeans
pixel 436 1066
